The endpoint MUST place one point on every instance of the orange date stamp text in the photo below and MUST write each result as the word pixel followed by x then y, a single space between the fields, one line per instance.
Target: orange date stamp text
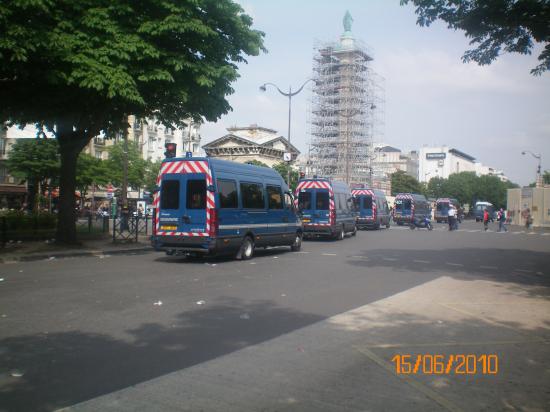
pixel 457 364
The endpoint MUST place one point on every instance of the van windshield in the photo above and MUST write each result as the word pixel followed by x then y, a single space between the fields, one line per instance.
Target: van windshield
pixel 322 201
pixel 442 206
pixel 304 200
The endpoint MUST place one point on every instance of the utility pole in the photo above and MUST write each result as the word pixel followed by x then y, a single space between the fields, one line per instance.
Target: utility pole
pixel 124 192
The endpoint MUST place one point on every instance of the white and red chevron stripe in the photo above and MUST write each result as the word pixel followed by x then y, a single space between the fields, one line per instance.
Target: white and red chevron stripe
pixel 186 166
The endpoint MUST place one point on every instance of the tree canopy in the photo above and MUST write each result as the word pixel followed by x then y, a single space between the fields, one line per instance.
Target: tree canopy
pixel 35 161
pixel 401 182
pixel 283 168
pixel 80 68
pixel 495 26
pixel 91 171
pixel 137 167
pixel 468 188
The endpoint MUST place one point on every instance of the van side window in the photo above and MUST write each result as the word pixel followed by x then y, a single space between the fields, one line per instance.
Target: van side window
pixel 252 195
pixel 196 194
pixel 170 194
pixel 274 197
pixel 227 191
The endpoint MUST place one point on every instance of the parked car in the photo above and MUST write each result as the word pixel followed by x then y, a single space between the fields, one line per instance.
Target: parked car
pixel 326 208
pixel 210 207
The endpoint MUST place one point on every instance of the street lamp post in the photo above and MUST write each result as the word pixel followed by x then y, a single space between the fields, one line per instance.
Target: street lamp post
pixel 539 167
pixel 290 95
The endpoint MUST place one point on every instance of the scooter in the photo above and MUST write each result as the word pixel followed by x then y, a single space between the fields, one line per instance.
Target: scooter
pixel 421 223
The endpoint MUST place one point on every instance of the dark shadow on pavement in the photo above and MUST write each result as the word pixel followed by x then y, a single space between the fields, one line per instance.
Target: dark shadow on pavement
pixel 61 369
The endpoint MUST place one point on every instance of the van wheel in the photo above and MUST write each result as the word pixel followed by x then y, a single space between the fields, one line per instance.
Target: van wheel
pixel 297 245
pixel 246 250
pixel 341 234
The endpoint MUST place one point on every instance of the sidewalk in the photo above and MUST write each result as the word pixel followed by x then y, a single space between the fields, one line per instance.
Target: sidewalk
pixel 40 250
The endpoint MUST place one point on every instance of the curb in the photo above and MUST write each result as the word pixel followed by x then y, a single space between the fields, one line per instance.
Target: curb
pixel 61 255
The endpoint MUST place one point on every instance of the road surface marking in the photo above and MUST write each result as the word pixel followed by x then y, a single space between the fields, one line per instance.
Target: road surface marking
pixel 454 264
pixel 488 267
pixel 545 234
pixel 430 393
pixel 420 261
pixel 389 259
pixel 302 252
pixel 359 257
pixel 473 231
pixel 329 254
pixel 531 233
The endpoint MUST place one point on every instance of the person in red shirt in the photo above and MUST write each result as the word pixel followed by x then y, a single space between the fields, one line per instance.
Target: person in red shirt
pixel 486 219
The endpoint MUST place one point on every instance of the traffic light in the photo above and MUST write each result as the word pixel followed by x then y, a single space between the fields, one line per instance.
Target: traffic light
pixel 302 175
pixel 170 150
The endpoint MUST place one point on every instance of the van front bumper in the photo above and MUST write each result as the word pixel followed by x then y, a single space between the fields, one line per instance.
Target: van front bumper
pixel 365 223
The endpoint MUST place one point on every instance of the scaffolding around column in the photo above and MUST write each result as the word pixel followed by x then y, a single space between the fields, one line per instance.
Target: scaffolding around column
pixel 346 111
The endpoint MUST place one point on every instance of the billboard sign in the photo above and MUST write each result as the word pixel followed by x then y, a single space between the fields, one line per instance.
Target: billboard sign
pixel 435 156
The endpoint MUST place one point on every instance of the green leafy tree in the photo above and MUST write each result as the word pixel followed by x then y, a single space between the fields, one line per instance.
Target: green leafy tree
pixel 151 172
pixel 401 182
pixel 436 187
pixel 90 171
pixel 495 26
pixel 79 68
pixel 34 161
pixel 463 187
pixel 283 168
pixel 137 167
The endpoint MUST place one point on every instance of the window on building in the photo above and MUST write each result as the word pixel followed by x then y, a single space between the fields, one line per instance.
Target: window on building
pixel 227 192
pixel 170 194
pixel 252 195
pixel 99 154
pixel 274 197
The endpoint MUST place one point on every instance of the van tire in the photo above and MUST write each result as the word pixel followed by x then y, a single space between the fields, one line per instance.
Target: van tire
pixel 246 251
pixel 297 245
pixel 341 234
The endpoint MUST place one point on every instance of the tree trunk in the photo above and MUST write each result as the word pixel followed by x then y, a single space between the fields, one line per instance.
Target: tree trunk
pixel 71 144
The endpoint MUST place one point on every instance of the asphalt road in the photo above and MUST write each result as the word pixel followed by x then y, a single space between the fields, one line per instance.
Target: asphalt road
pixel 75 329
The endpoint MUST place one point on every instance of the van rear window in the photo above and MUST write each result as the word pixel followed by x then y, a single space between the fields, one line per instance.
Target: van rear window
pixel 322 202
pixel 304 200
pixel 196 194
pixel 170 194
pixel 367 202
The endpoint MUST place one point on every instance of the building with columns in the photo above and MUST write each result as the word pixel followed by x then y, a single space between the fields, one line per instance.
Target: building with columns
pixel 243 144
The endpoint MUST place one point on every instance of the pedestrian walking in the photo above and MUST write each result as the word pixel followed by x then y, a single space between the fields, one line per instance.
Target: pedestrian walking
pixel 528 218
pixel 486 219
pixel 501 220
pixel 451 217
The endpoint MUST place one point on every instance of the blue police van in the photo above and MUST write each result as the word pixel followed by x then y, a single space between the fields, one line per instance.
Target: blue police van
pixel 372 208
pixel 326 208
pixel 410 207
pixel 211 207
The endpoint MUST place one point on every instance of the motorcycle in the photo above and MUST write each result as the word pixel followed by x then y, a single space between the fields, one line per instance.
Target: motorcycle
pixel 421 223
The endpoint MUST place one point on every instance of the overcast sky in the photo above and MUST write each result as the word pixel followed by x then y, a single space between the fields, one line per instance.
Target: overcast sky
pixel 492 112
